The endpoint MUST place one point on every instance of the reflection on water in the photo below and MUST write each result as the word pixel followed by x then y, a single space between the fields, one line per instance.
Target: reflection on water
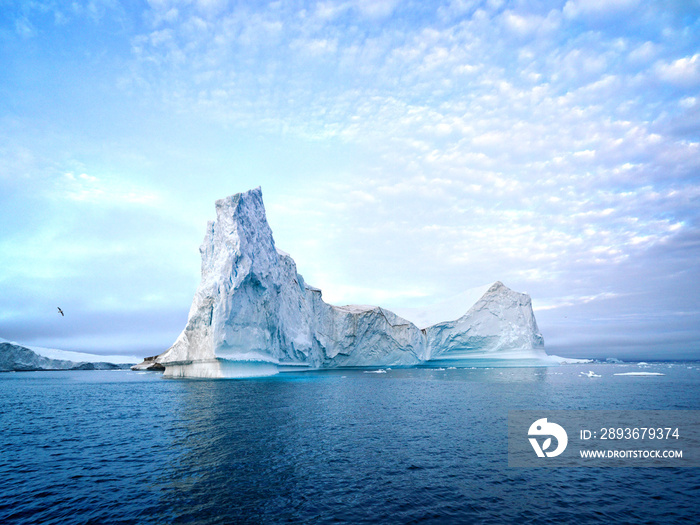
pixel 354 446
pixel 354 437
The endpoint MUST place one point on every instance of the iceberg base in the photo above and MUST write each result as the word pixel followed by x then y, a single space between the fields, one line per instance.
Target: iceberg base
pixel 220 369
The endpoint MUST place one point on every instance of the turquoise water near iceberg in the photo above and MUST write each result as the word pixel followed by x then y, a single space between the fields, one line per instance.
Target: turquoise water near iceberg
pixel 408 445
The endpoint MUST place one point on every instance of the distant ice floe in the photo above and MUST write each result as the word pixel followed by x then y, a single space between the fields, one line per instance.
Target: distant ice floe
pixel 591 373
pixel 643 374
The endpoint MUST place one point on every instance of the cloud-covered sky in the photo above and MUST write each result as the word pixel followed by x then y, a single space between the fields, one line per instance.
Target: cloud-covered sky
pixel 407 150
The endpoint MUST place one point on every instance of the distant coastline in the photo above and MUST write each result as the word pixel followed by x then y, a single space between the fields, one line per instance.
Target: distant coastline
pixel 18 358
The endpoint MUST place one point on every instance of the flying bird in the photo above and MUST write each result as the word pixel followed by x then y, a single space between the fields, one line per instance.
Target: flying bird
pixel 59 310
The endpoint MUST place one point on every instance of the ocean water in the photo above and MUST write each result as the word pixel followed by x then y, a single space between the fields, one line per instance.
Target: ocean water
pixel 405 446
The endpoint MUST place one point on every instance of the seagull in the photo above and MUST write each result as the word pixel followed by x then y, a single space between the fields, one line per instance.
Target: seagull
pixel 59 310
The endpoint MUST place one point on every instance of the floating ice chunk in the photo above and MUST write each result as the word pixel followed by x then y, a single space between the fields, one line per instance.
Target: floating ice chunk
pixel 643 374
pixel 590 373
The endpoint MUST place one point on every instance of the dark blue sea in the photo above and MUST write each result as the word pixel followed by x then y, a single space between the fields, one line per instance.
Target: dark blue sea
pixel 405 446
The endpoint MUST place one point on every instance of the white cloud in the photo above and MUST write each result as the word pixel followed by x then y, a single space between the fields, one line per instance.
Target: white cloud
pixel 524 25
pixel 108 192
pixel 330 10
pixel 567 301
pixel 596 8
pixel 644 53
pixel 456 8
pixel 375 8
pixel 211 7
pixel 315 46
pixel 682 72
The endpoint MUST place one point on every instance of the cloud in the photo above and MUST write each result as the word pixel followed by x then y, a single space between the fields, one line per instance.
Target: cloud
pixel 104 192
pixel 684 72
pixel 375 8
pixel 315 47
pixel 644 53
pixel 524 25
pixel 597 8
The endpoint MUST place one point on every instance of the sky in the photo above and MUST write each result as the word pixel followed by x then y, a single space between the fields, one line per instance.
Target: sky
pixel 406 150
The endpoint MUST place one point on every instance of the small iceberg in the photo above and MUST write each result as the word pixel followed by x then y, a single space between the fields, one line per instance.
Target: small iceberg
pixel 591 373
pixel 380 371
pixel 640 374
pixel 642 363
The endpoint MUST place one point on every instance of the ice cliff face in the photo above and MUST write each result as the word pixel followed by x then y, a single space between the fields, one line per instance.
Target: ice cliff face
pixel 253 314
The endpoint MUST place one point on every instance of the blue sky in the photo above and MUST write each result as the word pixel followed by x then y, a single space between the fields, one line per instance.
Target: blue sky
pixel 406 151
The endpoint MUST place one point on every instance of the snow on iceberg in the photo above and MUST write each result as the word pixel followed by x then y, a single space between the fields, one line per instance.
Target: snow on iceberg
pixel 253 314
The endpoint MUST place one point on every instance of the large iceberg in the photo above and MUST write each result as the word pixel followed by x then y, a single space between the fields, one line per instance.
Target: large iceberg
pixel 253 314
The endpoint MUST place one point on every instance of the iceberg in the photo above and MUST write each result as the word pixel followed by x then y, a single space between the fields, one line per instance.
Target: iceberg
pixel 18 358
pixel 254 315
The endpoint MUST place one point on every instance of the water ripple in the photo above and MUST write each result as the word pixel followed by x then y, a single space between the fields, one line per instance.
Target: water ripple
pixel 403 447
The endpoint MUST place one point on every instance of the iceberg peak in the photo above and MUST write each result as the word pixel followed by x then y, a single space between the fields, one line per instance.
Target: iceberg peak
pixel 502 320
